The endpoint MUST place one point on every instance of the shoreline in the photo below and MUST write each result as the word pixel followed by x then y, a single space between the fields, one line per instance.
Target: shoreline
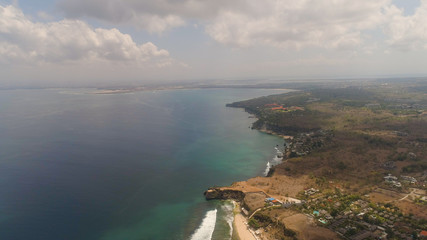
pixel 336 184
pixel 179 87
pixel 264 130
pixel 270 132
pixel 241 229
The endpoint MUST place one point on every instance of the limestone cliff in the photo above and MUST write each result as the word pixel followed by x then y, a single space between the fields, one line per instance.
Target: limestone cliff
pixel 224 194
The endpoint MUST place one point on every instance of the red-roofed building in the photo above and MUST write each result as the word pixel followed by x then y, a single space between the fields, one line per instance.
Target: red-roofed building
pixel 272 105
pixel 423 234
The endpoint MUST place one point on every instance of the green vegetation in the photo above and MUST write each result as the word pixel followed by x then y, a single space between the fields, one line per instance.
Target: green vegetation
pixel 253 223
pixel 347 140
pixel 261 220
pixel 363 127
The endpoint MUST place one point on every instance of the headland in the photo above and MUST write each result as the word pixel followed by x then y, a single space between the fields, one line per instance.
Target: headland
pixel 354 165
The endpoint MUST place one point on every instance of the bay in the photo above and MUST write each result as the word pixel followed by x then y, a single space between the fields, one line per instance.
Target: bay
pixel 75 165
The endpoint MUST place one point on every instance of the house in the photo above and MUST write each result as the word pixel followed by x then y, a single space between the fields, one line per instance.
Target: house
pixel 362 235
pixel 298 108
pixel 311 191
pixel 390 178
pixel 323 212
pixel 409 179
pixel 272 105
pixel 323 221
pixel 278 108
pixel 342 231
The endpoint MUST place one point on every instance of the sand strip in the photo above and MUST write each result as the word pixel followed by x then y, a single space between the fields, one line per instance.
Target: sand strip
pixel 241 228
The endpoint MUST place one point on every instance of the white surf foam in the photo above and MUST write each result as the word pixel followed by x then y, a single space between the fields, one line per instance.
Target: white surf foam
pixel 267 169
pixel 229 216
pixel 207 227
pixel 276 160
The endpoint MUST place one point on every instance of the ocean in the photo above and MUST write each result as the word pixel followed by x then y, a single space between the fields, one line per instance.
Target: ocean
pixel 133 166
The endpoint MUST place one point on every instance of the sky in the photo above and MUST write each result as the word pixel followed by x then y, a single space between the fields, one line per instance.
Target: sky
pixel 57 43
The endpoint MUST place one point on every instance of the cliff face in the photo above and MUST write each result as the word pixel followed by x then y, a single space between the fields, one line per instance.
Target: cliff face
pixel 224 194
pixel 281 130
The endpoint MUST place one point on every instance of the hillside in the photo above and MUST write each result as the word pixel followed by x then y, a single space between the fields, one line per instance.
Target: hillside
pixel 354 156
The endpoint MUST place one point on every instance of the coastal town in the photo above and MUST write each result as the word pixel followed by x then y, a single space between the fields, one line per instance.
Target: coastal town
pixel 349 216
pixel 345 174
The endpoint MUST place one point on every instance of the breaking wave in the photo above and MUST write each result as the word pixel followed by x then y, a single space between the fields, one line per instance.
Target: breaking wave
pixel 276 160
pixel 207 227
pixel 267 169
pixel 229 216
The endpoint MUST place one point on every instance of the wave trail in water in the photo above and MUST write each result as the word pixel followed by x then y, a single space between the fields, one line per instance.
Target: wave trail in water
pixel 276 160
pixel 207 227
pixel 267 169
pixel 229 216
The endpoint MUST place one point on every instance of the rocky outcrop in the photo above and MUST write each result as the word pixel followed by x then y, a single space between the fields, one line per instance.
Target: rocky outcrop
pixel 224 194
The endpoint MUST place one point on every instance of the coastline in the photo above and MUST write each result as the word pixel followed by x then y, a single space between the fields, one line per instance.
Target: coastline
pixel 336 182
pixel 264 129
pixel 241 229
pixel 178 87
pixel 258 187
pixel 274 133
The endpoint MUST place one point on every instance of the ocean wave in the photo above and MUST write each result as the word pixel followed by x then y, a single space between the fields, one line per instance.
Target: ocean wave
pixel 276 160
pixel 207 227
pixel 267 169
pixel 229 216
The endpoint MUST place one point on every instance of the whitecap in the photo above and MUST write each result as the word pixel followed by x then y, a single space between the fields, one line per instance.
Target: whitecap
pixel 229 216
pixel 267 169
pixel 207 227
pixel 276 160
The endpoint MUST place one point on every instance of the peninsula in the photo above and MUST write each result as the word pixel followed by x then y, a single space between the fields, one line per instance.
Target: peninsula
pixel 354 163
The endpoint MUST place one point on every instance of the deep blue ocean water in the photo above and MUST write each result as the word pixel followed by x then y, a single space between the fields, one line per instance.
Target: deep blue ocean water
pixel 75 165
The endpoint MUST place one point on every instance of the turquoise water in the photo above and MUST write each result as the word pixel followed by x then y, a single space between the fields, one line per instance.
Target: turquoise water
pixel 75 165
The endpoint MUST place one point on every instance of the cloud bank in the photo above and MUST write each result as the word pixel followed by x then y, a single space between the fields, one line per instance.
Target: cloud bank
pixel 408 32
pixel 297 24
pixel 330 24
pixel 155 16
pixel 22 40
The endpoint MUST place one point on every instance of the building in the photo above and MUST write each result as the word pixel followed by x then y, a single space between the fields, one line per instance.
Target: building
pixel 423 234
pixel 390 178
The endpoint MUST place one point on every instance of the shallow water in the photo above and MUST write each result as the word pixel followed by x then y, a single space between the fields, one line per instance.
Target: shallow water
pixel 122 166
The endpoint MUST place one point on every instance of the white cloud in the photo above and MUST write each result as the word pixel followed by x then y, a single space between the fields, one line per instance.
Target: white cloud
pixel 329 24
pixel 69 40
pixel 297 24
pixel 154 16
pixel 407 32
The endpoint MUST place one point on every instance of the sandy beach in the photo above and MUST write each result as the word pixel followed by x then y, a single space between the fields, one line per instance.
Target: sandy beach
pixel 241 228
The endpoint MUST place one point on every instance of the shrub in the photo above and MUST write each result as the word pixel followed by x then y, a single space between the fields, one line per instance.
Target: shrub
pixel 253 223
